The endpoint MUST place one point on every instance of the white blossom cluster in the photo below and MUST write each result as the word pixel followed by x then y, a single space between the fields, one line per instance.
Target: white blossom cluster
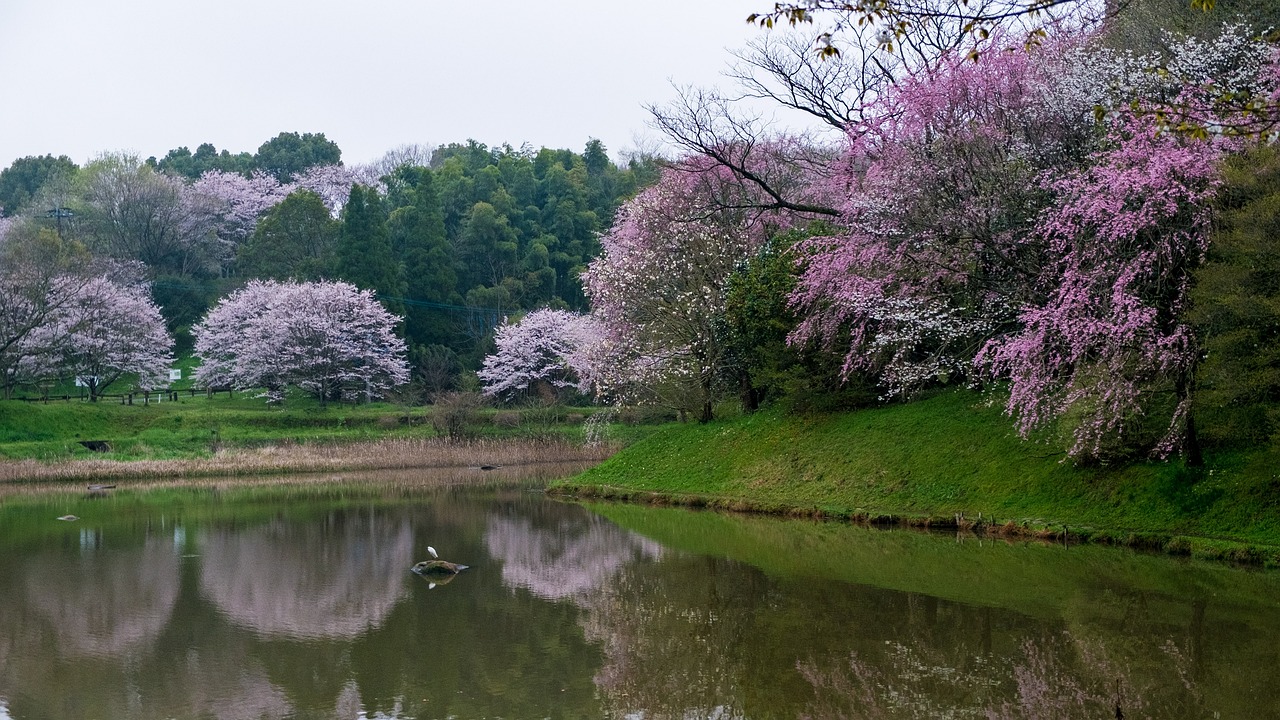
pixel 327 338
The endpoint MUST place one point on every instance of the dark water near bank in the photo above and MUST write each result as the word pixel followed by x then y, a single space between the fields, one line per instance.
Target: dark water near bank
pixel 297 602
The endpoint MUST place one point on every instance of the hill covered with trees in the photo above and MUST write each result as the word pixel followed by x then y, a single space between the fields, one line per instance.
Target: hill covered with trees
pixel 452 239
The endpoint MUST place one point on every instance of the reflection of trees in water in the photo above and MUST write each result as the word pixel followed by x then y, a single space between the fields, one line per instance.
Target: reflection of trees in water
pixel 336 578
pixel 85 634
pixel 240 692
pixel 1032 671
pixel 692 637
pixel 676 637
pixel 104 601
pixel 567 559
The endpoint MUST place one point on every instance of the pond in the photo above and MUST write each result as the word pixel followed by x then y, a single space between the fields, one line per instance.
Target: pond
pixel 295 600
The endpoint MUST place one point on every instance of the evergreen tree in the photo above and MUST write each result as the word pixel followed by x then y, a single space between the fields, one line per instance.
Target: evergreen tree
pixel 418 239
pixel 294 240
pixel 364 256
pixel 1236 307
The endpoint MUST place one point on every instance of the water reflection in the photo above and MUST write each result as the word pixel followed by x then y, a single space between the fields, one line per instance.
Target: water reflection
pixel 332 578
pixel 566 559
pixel 304 607
pixel 104 601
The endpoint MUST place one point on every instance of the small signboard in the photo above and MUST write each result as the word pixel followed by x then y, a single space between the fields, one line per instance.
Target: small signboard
pixel 175 373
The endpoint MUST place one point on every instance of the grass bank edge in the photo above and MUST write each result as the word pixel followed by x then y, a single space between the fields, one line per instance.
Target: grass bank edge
pixel 953 462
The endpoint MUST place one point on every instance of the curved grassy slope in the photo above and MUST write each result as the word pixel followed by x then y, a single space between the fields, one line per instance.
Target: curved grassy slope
pixel 938 457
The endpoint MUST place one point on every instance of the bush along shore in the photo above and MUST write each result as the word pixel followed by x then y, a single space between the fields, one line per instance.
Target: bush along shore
pixel 949 462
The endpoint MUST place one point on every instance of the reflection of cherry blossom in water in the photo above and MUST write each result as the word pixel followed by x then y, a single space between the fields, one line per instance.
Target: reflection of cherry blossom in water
pixel 104 602
pixel 248 694
pixel 565 561
pixel 337 580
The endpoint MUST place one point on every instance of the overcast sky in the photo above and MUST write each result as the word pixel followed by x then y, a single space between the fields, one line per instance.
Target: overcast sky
pixel 146 76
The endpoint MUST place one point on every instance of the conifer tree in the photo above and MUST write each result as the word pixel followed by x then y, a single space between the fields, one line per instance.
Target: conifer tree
pixel 364 256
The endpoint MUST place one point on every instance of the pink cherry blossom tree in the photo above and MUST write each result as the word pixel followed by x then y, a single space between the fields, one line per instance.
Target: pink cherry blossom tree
pixel 538 354
pixel 941 192
pixel 230 204
pixel 108 330
pixel 328 339
pixel 38 278
pixel 333 183
pixel 1125 235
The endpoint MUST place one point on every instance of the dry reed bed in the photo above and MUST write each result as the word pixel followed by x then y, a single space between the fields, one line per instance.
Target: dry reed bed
pixel 405 480
pixel 289 459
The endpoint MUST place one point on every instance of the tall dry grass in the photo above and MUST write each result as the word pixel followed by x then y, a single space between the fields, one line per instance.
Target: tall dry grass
pixel 396 454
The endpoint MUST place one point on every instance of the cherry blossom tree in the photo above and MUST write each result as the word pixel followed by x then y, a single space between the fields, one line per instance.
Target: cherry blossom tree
pixel 107 330
pixel 538 354
pixel 333 183
pixel 231 204
pixel 1125 236
pixel 942 192
pixel 658 286
pixel 37 279
pixel 326 338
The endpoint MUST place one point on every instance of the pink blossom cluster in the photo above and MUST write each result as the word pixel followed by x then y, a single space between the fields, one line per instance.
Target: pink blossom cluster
pixel 941 195
pixel 1124 236
pixel 327 338
pixel 996 226
pixel 657 287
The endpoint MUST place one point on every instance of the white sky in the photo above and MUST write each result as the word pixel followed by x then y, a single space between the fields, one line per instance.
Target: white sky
pixel 145 76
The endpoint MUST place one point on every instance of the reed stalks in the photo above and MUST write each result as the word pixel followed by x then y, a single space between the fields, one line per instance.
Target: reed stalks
pixel 388 454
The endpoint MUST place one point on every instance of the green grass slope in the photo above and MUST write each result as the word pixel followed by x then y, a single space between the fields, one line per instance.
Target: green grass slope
pixel 949 454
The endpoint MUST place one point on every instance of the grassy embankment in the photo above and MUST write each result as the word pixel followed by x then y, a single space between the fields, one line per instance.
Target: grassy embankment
pixel 242 435
pixel 948 461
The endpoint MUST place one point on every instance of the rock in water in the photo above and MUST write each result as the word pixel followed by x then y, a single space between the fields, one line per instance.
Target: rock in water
pixel 438 567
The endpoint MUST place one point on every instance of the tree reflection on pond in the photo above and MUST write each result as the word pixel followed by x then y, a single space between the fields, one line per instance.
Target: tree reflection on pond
pixel 305 607
pixel 337 578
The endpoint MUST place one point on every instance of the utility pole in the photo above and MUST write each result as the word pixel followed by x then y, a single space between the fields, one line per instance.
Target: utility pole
pixel 59 213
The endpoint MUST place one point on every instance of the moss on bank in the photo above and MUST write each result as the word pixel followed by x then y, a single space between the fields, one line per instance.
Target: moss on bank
pixel 951 460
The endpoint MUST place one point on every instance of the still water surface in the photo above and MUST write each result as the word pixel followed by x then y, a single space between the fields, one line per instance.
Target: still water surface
pixel 229 601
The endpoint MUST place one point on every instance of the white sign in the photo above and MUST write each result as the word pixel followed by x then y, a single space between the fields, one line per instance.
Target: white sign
pixel 175 374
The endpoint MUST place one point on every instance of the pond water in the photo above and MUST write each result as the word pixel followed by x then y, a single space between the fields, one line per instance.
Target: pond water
pixel 257 600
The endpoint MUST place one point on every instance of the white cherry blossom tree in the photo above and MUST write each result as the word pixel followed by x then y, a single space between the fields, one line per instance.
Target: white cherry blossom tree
pixel 328 339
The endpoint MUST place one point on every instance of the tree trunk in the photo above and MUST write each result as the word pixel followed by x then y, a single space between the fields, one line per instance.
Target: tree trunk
pixel 1195 458
pixel 706 415
pixel 1191 442
pixel 748 394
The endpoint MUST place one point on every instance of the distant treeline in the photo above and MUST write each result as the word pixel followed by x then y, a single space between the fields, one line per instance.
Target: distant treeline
pixel 455 238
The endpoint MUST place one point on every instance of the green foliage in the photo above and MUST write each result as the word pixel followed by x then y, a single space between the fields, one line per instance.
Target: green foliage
pixel 181 161
pixel 364 256
pixel 418 238
pixel 289 153
pixel 757 322
pixel 1141 26
pixel 1236 307
pixel 182 301
pixel 20 182
pixel 295 239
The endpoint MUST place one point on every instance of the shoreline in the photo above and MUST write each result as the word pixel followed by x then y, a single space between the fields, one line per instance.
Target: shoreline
pixel 1172 544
